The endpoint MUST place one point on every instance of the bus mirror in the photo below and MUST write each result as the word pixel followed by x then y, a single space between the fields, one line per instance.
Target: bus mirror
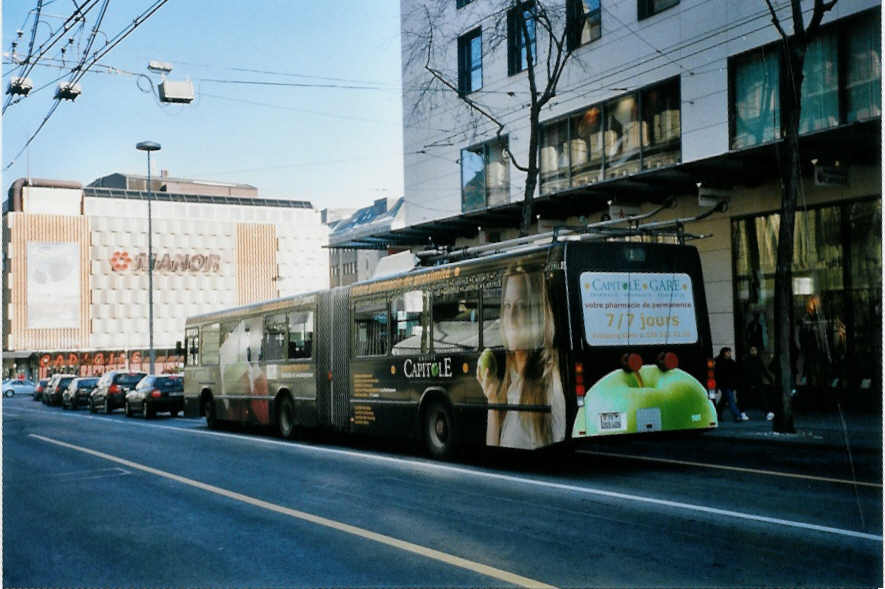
pixel 178 348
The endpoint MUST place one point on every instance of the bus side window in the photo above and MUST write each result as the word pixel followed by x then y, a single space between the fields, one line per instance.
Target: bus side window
pixel 410 323
pixel 455 322
pixel 491 318
pixel 300 343
pixel 370 329
pixel 274 338
pixel 209 348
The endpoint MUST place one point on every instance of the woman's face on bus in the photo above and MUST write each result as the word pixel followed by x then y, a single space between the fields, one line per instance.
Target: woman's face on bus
pixel 521 317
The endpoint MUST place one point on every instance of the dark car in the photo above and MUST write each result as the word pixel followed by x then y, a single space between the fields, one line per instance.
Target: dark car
pixel 78 392
pixel 110 393
pixel 38 390
pixel 156 393
pixel 57 384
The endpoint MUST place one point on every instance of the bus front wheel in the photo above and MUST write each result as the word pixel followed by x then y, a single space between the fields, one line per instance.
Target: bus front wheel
pixel 440 432
pixel 286 417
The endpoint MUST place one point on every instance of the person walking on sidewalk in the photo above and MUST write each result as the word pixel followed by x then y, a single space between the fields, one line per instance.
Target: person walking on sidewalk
pixel 726 379
pixel 757 378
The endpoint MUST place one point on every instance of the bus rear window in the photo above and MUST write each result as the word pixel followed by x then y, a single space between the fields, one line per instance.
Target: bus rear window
pixel 638 308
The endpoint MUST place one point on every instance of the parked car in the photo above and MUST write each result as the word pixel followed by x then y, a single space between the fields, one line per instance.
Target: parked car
pixel 156 393
pixel 57 384
pixel 110 393
pixel 38 390
pixel 78 392
pixel 18 386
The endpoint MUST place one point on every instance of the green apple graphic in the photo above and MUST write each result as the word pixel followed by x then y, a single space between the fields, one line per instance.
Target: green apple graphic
pixel 434 369
pixel 487 362
pixel 676 396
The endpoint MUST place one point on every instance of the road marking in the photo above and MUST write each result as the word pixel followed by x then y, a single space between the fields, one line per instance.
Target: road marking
pixel 443 557
pixel 774 473
pixel 427 465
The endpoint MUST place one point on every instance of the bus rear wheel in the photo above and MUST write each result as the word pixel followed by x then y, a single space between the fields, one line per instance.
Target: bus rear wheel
pixel 440 432
pixel 286 418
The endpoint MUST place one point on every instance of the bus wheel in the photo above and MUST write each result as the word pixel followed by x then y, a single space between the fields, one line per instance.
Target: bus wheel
pixel 440 433
pixel 286 417
pixel 209 412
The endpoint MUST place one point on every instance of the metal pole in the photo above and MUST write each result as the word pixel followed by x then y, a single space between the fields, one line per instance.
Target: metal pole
pixel 150 268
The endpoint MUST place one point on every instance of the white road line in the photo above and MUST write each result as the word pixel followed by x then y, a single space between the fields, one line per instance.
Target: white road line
pixel 431 466
pixel 443 557
pixel 773 473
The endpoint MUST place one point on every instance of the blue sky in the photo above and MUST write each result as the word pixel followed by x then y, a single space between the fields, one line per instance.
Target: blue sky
pixel 337 147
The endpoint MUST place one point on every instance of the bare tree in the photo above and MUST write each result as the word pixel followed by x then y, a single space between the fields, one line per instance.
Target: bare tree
pixel 794 46
pixel 547 24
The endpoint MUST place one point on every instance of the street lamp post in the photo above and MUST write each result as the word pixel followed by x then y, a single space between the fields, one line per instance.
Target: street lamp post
pixel 150 146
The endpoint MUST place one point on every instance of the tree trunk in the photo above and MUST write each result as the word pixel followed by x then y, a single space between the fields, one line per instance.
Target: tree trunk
pixel 531 175
pixel 791 178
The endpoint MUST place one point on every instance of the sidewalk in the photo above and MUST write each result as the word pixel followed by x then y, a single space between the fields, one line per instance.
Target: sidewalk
pixel 862 430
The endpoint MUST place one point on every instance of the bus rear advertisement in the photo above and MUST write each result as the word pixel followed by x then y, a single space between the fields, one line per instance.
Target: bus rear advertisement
pixel 525 349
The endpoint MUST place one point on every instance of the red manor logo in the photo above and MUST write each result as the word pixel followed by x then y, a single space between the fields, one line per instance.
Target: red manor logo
pixel 181 263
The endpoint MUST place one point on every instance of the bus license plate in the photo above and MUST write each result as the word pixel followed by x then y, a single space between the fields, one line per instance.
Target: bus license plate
pixel 613 421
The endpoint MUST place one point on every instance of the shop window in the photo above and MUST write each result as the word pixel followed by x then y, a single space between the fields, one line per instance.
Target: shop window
pixel 820 86
pixel 863 75
pixel 300 327
pixel 586 146
pixel 584 22
pixel 456 322
pixel 409 323
pixel 647 8
pixel 755 87
pixel 837 290
pixel 470 62
pixel 485 176
pixel 521 37
pixel 371 329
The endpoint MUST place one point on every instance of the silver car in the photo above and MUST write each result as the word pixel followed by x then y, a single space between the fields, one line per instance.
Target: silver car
pixel 18 386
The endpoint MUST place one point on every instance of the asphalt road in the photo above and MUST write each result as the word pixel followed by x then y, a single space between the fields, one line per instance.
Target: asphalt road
pixel 106 501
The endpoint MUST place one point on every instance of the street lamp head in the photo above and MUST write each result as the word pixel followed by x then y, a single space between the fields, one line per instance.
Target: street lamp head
pixel 147 146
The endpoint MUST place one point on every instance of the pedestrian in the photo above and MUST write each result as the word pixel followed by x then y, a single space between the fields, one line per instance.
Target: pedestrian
pixel 757 378
pixel 726 375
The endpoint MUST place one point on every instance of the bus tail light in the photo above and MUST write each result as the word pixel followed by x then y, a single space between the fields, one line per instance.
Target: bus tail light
pixel 667 361
pixel 580 391
pixel 711 376
pixel 156 393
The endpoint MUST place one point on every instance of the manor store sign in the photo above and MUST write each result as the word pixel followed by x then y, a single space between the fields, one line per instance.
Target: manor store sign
pixel 180 263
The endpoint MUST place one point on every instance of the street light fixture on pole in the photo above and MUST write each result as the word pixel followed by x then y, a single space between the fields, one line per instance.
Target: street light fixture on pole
pixel 150 146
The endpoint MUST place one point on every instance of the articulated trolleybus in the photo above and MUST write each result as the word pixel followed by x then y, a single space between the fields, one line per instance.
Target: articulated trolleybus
pixel 523 346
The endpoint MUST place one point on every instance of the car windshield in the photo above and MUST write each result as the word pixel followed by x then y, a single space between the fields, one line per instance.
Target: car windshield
pixel 169 383
pixel 64 382
pixel 87 384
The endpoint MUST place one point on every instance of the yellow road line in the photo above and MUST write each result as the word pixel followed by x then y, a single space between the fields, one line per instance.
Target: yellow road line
pixel 443 557
pixel 773 473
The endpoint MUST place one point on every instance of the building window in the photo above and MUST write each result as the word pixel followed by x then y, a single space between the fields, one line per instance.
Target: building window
pixel 863 70
pixel 470 62
pixel 485 176
pixel 637 131
pixel 462 3
pixel 518 42
pixel 584 22
pixel 649 8
pixel 842 79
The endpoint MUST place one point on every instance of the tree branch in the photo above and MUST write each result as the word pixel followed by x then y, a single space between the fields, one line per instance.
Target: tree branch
pixel 776 21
